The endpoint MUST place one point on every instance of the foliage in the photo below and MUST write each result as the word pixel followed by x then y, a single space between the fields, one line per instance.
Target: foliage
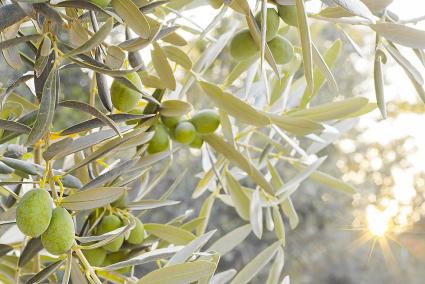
pixel 145 112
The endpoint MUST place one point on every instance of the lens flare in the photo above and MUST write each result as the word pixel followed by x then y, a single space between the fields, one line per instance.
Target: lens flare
pixel 378 221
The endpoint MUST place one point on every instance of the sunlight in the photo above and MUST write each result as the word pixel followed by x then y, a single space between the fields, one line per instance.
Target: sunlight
pixel 378 221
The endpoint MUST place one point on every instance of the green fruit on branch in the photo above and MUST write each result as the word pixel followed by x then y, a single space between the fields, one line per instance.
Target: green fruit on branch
pixel 101 3
pixel 243 46
pixel 216 3
pixel 288 13
pixel 96 256
pixel 184 132
pixel 170 121
pixel 108 224
pixel 272 23
pixel 137 235
pixel 116 257
pixel 59 236
pixel 160 140
pixel 123 98
pixel 206 121
pixel 282 50
pixel 197 142
pixel 34 212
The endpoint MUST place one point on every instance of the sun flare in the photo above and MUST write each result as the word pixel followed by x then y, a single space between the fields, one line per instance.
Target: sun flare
pixel 378 221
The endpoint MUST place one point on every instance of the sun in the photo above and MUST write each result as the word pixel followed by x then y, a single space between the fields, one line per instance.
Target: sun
pixel 378 221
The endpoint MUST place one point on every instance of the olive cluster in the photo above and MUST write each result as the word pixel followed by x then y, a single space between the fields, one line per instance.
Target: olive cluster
pixel 243 46
pixel 119 248
pixel 188 132
pixel 36 217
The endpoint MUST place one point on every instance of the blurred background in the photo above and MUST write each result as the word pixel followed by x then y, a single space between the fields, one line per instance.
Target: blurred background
pixel 375 236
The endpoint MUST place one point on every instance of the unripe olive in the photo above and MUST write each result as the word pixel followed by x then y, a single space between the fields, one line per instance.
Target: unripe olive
pixel 243 46
pixel 197 143
pixel 184 132
pixel 96 256
pixel 288 13
pixel 215 3
pixel 282 50
pixel 206 121
pixel 272 23
pixel 115 257
pixel 101 3
pixel 34 212
pixel 170 121
pixel 108 224
pixel 59 236
pixel 160 140
pixel 123 98
pixel 137 235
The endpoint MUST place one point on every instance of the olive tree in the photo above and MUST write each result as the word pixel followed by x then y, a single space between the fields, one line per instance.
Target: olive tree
pixel 75 198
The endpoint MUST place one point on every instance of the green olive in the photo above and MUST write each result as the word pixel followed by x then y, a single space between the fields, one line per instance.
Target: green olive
pixel 170 121
pixel 115 257
pixel 160 140
pixel 282 50
pixel 123 98
pixel 272 23
pixel 215 3
pixel 184 132
pixel 243 46
pixel 108 224
pixel 34 212
pixel 95 256
pixel 137 235
pixel 288 13
pixel 101 3
pixel 206 121
pixel 59 236
pixel 197 143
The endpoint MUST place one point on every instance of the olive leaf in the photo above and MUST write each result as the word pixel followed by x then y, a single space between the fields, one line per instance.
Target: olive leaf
pixel 91 110
pixel 180 273
pixel 256 264
pixel 234 106
pixel 150 204
pixel 144 258
pixel 378 75
pixel 356 7
pixel 5 249
pixel 95 40
pixel 235 157
pixel 239 197
pixel 31 249
pixel 171 234
pixel 277 267
pixel 175 108
pixel 14 126
pixel 15 41
pixel 10 14
pixel 185 253
pixel 133 17
pixel 232 239
pixel 46 272
pixel 47 110
pixel 162 67
pixel 401 34
pixel 306 43
pixel 178 56
pixel 93 198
